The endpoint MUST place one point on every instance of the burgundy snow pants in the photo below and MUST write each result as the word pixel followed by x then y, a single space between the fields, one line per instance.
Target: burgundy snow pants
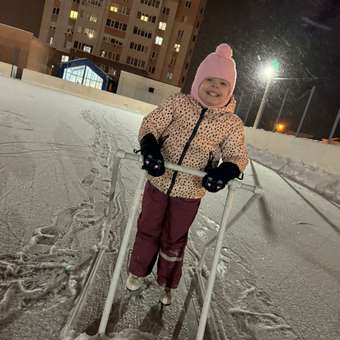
pixel 162 231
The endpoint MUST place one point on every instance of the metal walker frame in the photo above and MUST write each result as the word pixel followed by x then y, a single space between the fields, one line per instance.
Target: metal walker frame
pixel 206 294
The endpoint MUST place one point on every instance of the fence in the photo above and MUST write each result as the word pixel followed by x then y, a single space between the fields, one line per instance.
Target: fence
pixel 309 109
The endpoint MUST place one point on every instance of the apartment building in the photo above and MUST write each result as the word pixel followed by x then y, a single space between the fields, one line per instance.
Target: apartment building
pixel 154 37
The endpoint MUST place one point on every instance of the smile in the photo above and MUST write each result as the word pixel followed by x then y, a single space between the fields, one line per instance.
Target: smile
pixel 213 94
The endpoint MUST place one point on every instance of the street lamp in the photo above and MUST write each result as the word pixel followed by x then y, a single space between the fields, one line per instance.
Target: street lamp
pixel 268 72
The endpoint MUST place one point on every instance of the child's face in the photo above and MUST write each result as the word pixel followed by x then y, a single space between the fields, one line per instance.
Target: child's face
pixel 214 91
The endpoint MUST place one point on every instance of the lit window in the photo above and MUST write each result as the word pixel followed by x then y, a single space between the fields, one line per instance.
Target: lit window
pixel 51 41
pixel 93 18
pixel 74 15
pixel 169 75
pixel 87 49
pixel 162 25
pixel 144 18
pixel 114 9
pixel 177 47
pixel 102 53
pixel 90 33
pixel 158 40
pixel 65 58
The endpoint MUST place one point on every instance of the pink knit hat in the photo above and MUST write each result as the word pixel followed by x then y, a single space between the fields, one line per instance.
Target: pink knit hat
pixel 218 64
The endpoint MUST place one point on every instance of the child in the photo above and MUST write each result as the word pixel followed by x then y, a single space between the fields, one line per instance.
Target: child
pixel 189 130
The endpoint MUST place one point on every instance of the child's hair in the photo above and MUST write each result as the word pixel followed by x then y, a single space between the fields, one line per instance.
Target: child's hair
pixel 219 64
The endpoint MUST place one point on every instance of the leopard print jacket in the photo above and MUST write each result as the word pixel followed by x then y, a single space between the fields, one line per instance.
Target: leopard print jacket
pixel 190 137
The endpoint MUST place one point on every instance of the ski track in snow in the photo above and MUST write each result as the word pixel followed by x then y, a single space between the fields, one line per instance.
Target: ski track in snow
pixel 50 267
pixel 245 311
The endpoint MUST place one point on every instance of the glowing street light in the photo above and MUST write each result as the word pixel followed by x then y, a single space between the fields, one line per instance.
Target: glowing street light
pixel 280 127
pixel 268 72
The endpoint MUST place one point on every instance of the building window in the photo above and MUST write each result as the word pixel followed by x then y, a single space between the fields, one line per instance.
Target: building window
pixel 188 4
pixel 51 41
pixel 87 48
pixel 74 15
pixel 112 71
pixel 162 26
pixel 146 18
pixel 173 60
pixel 93 18
pixel 124 10
pixel 177 47
pixel 153 3
pixel 56 10
pixel 83 75
pixel 158 40
pixel 116 25
pixel 135 62
pixel 166 11
pixel 169 75
pixel 94 3
pixel 109 39
pixel 65 58
pixel 114 9
pixel 102 53
pixel 141 32
pixel 90 32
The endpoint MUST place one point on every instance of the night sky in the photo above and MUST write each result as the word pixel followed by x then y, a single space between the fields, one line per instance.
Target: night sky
pixel 25 15
pixel 304 36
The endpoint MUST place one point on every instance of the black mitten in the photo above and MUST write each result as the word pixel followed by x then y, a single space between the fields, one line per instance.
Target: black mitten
pixel 217 178
pixel 153 161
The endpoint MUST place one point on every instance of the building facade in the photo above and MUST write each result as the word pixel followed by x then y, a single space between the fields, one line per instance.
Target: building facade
pixel 23 50
pixel 153 37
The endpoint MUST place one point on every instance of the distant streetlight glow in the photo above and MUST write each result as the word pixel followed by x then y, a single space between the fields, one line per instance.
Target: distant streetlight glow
pixel 280 127
pixel 268 72
pixel 270 69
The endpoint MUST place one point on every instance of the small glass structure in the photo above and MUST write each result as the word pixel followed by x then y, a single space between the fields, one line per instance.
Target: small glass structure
pixel 84 72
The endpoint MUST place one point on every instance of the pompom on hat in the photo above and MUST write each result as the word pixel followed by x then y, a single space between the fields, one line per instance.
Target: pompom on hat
pixel 219 64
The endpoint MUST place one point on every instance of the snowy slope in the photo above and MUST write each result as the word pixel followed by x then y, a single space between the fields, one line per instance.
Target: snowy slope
pixel 279 273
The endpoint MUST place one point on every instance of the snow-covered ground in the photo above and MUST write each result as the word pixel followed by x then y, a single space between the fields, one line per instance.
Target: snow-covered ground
pixel 325 183
pixel 279 274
